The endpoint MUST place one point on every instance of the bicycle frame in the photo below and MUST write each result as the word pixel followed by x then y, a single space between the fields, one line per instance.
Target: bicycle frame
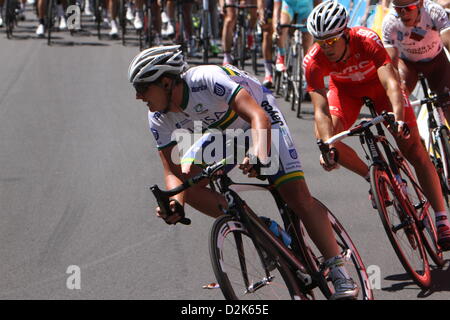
pixel 388 164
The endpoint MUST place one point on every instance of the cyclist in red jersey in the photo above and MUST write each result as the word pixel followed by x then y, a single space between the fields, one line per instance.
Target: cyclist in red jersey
pixel 359 66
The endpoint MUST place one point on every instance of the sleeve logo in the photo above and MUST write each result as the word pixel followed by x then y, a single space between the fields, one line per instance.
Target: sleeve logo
pixel 219 89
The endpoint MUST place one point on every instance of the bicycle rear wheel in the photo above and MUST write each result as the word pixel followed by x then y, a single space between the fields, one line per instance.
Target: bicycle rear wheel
pixel 299 82
pixel 427 228
pixel 354 264
pixel 240 268
pixel 205 36
pixel 50 20
pixel 122 20
pixel 400 226
pixel 242 48
pixel 98 17
pixel 443 161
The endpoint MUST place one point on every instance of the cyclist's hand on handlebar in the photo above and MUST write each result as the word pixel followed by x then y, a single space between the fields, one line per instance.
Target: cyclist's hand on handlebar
pixel 248 168
pixel 176 214
pixel 403 131
pixel 329 160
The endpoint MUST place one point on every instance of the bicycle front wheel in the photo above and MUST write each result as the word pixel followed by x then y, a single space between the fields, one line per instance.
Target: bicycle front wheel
pixel 246 271
pixel 400 226
pixel 444 159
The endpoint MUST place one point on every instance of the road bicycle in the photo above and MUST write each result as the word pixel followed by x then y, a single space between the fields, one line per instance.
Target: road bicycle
pixel 400 201
pixel 250 262
pixel 290 82
pixel 438 145
pixel 241 51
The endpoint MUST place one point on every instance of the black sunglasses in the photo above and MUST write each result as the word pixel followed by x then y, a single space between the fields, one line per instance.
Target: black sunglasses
pixel 141 88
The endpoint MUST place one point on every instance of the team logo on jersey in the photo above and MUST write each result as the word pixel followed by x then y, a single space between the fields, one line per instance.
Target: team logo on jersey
pixel 219 89
pixel 199 88
pixel 155 133
pixel 293 153
pixel 157 115
pixel 418 34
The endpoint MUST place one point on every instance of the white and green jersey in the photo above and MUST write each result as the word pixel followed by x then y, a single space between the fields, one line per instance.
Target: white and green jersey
pixel 207 97
pixel 208 94
pixel 422 42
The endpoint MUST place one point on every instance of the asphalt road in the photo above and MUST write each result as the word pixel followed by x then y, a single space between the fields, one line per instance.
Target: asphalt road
pixel 76 158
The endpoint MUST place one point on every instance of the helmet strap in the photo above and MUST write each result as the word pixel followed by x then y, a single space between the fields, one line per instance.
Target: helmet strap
pixel 345 50
pixel 169 95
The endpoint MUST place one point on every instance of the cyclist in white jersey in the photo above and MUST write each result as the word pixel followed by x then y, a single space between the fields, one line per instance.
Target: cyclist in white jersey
pixel 414 35
pixel 224 98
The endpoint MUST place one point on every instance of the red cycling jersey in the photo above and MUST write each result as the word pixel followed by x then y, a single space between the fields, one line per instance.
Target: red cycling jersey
pixel 354 78
pixel 367 54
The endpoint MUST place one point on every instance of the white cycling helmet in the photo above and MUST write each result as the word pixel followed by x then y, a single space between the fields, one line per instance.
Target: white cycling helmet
pixel 328 18
pixel 152 63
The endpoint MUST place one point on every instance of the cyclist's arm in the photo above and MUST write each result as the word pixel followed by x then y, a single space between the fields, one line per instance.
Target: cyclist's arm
pixel 322 116
pixel 172 172
pixel 248 109
pixel 393 54
pixel 389 80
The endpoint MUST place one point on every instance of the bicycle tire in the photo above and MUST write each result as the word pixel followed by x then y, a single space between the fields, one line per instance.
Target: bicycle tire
pixel 427 227
pixel 226 225
pixel 382 187
pixel 300 81
pixel 286 76
pixel 148 26
pixel 357 271
pixel 98 17
pixel 50 20
pixel 295 80
pixel 242 47
pixel 444 154
pixel 122 20
pixel 205 36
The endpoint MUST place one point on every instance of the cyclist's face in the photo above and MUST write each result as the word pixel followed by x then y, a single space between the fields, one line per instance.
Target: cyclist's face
pixel 333 47
pixel 154 95
pixel 407 10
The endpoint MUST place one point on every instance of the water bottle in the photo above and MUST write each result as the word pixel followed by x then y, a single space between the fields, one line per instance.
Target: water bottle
pixel 277 230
